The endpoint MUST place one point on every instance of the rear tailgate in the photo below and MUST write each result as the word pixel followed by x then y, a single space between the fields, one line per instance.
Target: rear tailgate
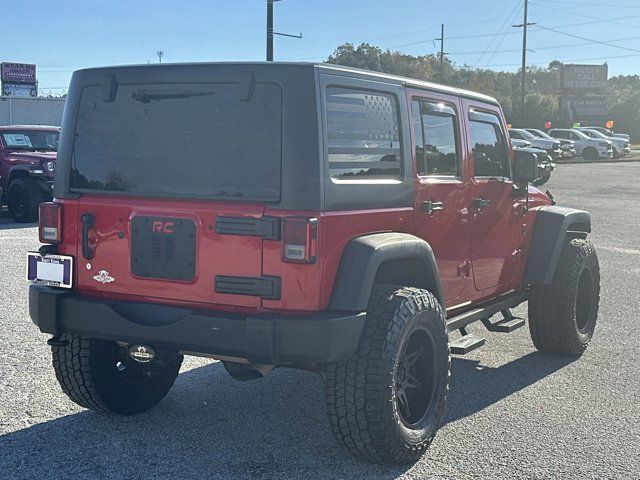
pixel 171 250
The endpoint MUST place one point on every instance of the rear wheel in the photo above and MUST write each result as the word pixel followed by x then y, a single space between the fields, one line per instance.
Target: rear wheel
pixel 386 402
pixel 23 200
pixel 562 315
pixel 100 375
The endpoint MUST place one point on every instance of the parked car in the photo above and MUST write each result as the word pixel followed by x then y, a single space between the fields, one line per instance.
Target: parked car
pixel 610 133
pixel 385 215
pixel 621 146
pixel 27 166
pixel 568 146
pixel 552 146
pixel 587 147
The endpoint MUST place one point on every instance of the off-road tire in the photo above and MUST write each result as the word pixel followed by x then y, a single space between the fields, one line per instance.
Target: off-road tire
pixel 590 153
pixel 563 314
pixel 87 373
pixel 23 199
pixel 362 392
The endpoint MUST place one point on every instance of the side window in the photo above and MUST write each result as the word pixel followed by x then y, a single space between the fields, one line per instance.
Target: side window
pixel 363 135
pixel 513 134
pixel 490 155
pixel 435 134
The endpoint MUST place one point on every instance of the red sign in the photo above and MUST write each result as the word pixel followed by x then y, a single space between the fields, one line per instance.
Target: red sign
pixel 18 72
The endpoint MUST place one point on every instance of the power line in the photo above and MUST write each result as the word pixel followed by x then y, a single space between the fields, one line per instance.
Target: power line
pixel 493 54
pixel 582 15
pixel 600 42
pixel 582 4
pixel 502 27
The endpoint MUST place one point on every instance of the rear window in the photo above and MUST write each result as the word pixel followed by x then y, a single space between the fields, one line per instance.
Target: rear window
pixel 191 139
pixel 363 135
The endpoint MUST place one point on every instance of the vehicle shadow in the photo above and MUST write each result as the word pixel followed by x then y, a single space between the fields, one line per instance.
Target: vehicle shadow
pixel 210 426
pixel 474 387
pixel 7 223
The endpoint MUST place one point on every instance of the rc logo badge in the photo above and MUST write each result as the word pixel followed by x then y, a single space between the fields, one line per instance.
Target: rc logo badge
pixel 142 353
pixel 103 277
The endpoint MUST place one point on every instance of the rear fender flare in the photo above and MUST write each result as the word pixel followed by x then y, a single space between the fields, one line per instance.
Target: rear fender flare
pixel 396 258
pixel 552 226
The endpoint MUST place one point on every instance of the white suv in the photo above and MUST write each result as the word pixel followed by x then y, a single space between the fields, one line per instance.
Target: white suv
pixel 589 148
pixel 620 145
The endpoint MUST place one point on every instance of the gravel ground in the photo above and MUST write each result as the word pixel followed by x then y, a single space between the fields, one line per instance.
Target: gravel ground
pixel 512 413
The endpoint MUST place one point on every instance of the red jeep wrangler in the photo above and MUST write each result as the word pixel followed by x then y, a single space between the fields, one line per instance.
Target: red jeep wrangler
pixel 297 215
pixel 27 165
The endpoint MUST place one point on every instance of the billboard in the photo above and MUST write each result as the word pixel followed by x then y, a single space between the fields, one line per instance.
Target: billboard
pixel 19 89
pixel 18 79
pixel 595 106
pixel 584 78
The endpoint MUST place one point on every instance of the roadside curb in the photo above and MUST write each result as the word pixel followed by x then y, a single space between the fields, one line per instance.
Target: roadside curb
pixel 617 160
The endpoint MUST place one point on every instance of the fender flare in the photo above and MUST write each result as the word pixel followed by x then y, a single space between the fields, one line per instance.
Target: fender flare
pixel 552 225
pixel 361 260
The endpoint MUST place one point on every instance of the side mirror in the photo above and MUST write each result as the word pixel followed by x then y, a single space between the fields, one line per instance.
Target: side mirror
pixel 525 168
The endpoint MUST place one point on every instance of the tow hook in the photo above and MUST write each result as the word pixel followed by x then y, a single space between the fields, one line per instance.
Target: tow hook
pixel 142 353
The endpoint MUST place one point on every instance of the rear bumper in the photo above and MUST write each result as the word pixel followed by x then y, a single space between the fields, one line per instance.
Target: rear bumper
pixel 265 339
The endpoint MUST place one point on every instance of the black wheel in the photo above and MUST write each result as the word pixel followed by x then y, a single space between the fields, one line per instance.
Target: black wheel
pixel 538 182
pixel 23 200
pixel 386 402
pixel 562 315
pixel 100 375
pixel 616 153
pixel 590 153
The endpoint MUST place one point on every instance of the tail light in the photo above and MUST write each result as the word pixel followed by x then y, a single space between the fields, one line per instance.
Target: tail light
pixel 299 240
pixel 50 224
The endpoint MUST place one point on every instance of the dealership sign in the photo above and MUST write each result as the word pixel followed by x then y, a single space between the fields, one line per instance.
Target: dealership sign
pixel 591 78
pixel 18 73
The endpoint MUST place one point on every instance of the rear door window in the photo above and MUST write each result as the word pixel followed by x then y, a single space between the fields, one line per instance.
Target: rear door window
pixel 436 138
pixel 363 135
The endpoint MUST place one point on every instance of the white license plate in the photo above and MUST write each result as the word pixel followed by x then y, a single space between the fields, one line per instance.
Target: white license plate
pixel 51 270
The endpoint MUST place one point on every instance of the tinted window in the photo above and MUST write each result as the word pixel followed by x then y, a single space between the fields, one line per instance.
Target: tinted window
pixel 197 140
pixel 558 134
pixel 434 133
pixel 363 135
pixel 513 134
pixel 490 156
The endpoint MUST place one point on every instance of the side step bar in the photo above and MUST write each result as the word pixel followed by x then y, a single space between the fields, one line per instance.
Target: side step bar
pixel 486 310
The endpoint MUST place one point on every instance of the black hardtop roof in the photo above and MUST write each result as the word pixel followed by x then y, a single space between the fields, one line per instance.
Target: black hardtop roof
pixel 324 67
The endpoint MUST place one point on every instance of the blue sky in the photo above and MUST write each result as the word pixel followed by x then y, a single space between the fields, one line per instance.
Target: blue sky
pixel 64 35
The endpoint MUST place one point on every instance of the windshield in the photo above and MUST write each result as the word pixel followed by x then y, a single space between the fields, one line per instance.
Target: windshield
pixel 580 134
pixel 31 140
pixel 594 134
pixel 204 140
pixel 541 134
pixel 527 135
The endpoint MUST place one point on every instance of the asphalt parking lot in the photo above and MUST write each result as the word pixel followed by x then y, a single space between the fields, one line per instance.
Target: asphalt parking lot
pixel 512 412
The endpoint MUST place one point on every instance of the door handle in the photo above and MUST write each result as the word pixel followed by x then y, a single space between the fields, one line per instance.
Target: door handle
pixel 87 223
pixel 430 207
pixel 480 203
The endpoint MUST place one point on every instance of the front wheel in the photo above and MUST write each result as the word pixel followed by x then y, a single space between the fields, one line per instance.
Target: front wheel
pixel 100 375
pixel 563 314
pixel 386 402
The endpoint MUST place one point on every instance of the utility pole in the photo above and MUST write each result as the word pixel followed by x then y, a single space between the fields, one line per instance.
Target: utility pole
pixel 269 30
pixel 441 39
pixel 271 33
pixel 524 26
pixel 160 54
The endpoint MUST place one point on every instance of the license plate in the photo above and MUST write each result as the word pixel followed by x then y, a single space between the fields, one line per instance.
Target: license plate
pixel 51 270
